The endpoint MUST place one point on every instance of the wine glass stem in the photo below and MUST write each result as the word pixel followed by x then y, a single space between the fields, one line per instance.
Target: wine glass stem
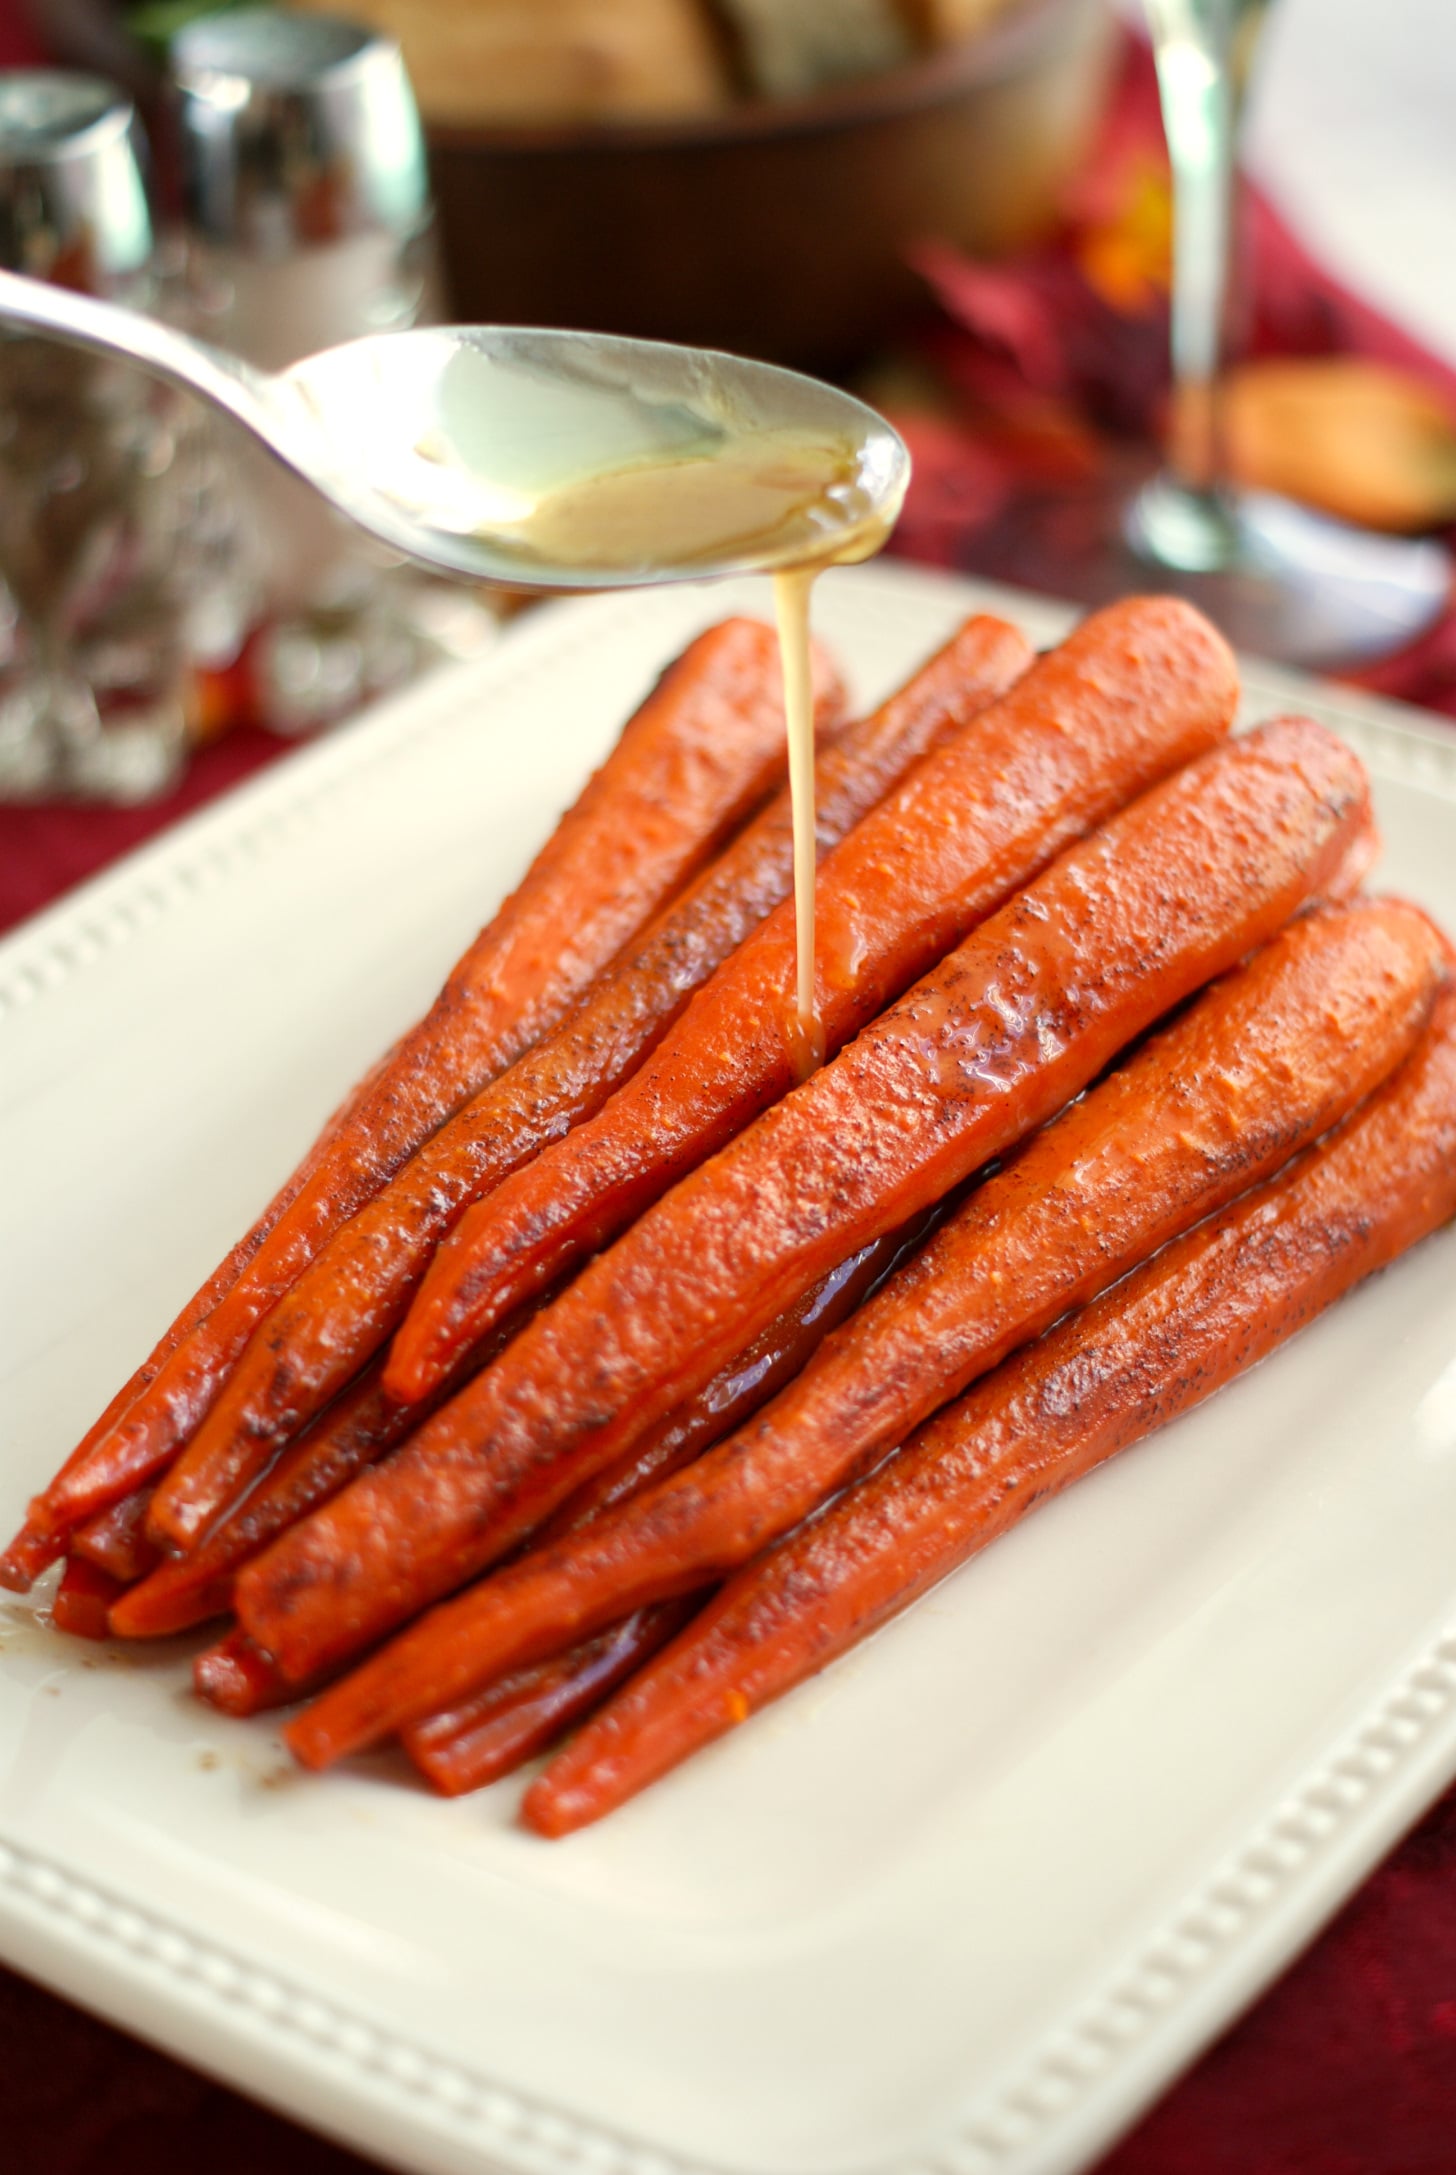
pixel 1201 49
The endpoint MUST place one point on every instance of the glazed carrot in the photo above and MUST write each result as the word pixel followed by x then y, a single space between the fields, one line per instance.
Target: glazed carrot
pixel 32 1551
pixel 116 1540
pixel 1262 1064
pixel 234 1677
pixel 492 1734
pixel 353 1296
pixel 82 1599
pixel 37 1545
pixel 690 764
pixel 1155 1346
pixel 361 1425
pixel 774 1357
pixel 999 1036
pixel 469 1746
pixel 1134 692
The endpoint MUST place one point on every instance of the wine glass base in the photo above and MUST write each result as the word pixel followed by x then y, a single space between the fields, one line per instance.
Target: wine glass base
pixel 1285 582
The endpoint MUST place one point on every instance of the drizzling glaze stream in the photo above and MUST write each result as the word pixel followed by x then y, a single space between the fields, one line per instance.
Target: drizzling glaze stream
pixel 777 496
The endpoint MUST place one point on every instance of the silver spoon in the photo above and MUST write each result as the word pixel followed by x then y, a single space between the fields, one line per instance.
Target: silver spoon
pixel 472 447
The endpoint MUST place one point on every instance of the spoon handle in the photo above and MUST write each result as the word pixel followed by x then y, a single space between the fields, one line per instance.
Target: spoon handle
pixel 245 394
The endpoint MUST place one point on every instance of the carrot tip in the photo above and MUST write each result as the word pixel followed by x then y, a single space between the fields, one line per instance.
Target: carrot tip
pixel 308 1744
pixel 405 1380
pixel 160 1610
pixel 551 1811
pixel 30 1553
pixel 175 1528
pixel 82 1600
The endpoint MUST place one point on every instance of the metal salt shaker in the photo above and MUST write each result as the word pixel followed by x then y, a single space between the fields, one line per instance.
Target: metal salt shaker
pixel 308 210
pixel 110 522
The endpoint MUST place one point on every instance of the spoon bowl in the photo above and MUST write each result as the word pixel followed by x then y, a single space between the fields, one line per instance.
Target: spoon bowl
pixel 541 459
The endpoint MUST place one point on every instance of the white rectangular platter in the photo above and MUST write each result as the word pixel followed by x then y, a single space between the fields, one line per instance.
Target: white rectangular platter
pixel 964 1904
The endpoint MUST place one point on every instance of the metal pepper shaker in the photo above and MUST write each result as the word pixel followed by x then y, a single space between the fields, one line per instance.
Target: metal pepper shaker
pixel 305 189
pixel 307 205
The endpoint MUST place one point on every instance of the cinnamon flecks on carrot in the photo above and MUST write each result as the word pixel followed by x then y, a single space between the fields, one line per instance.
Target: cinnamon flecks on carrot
pixel 1133 693
pixel 1191 1319
pixel 492 1734
pixel 1012 1024
pixel 353 1296
pixel 689 766
pixel 82 1598
pixel 773 1359
pixel 1264 1063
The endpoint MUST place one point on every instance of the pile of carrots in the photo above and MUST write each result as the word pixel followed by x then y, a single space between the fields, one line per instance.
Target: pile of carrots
pixel 594 1368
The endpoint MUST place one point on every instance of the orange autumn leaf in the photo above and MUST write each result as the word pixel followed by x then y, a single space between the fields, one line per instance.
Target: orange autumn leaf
pixel 1126 255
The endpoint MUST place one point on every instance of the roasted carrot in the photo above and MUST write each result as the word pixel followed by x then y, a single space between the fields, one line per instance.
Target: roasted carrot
pixel 32 1551
pixel 361 1425
pixel 689 766
pixel 1156 1345
pixel 492 1734
pixel 1360 859
pixel 475 1744
pixel 234 1677
pixel 1017 1020
pixel 1134 692
pixel 38 1545
pixel 1264 1063
pixel 116 1540
pixel 353 1296
pixel 774 1357
pixel 82 1598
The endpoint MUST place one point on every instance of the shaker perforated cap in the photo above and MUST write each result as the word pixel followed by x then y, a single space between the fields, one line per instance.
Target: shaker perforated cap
pixel 295 130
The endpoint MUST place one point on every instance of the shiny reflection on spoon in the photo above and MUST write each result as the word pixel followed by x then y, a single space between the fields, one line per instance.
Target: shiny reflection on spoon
pixel 538 455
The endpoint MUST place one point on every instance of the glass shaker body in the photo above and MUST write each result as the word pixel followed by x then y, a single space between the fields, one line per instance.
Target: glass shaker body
pixel 115 521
